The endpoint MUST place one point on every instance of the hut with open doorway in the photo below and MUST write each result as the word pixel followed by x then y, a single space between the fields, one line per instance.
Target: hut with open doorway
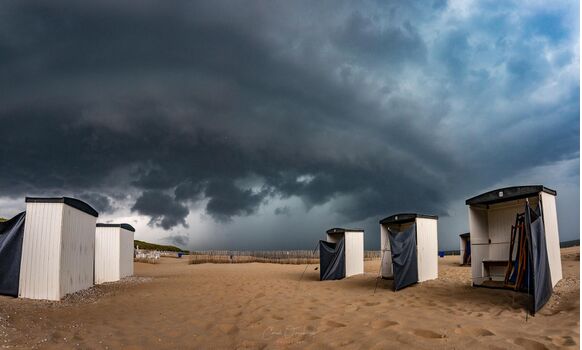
pixel 465 245
pixel 58 248
pixel 409 244
pixel 113 252
pixel 515 242
pixel 341 254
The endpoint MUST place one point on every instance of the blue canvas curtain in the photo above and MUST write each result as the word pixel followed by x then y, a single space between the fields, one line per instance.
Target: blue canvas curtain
pixel 540 278
pixel 11 234
pixel 404 257
pixel 332 260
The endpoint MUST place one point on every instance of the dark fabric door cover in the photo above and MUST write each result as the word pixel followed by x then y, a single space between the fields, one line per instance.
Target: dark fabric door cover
pixel 404 261
pixel 541 280
pixel 332 260
pixel 11 234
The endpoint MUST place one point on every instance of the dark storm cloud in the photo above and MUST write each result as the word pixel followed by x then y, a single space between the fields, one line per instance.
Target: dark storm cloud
pixel 396 44
pixel 282 211
pixel 232 105
pixel 227 200
pixel 162 209
pixel 98 201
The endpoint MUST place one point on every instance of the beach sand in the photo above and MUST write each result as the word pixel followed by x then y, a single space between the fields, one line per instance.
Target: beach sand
pixel 173 305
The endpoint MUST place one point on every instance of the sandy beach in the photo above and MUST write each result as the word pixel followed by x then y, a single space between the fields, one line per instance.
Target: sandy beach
pixel 173 305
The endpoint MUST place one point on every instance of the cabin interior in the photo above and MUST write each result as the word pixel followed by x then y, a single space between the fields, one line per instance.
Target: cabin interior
pixel 492 252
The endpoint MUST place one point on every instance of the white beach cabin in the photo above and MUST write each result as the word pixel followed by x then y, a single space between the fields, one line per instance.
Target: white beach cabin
pixel 491 217
pixel 58 248
pixel 426 243
pixel 354 248
pixel 113 252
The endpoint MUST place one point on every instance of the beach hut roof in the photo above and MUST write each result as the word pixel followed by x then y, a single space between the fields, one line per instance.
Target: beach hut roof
pixel 405 217
pixel 73 202
pixel 123 226
pixel 344 230
pixel 507 194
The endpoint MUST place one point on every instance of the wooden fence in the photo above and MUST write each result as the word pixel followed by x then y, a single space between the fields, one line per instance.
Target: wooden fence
pixel 298 257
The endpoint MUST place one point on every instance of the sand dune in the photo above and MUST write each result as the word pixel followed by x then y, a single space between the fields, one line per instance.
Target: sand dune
pixel 255 306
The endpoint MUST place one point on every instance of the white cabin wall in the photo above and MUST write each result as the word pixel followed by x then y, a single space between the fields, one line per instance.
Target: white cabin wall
pixel 550 216
pixel 427 248
pixel 501 218
pixel 77 250
pixel 354 244
pixel 386 253
pixel 462 249
pixel 478 254
pixel 41 248
pixel 478 228
pixel 384 240
pixel 107 253
pixel 126 253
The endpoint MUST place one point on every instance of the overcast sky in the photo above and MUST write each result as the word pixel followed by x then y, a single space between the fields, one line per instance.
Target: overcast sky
pixel 260 124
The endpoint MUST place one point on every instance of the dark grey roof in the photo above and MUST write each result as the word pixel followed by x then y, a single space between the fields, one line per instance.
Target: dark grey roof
pixel 343 230
pixel 405 217
pixel 465 235
pixel 508 194
pixel 73 202
pixel 123 226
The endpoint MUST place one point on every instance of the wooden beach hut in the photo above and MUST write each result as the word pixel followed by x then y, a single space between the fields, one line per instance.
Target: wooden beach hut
pixel 58 248
pixel 515 241
pixel 113 252
pixel 409 244
pixel 341 254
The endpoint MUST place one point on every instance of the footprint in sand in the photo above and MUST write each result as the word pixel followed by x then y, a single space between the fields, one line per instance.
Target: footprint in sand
pixel 425 333
pixel 372 303
pixel 228 328
pixel 568 341
pixel 381 324
pixel 352 308
pixel 233 313
pixel 475 332
pixel 254 322
pixel 530 344
pixel 278 318
pixel 335 324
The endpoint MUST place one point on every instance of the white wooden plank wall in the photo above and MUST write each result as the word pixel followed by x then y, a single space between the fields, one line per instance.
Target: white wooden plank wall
pixel 41 248
pixel 386 269
pixel 354 253
pixel 77 250
pixel 552 236
pixel 462 249
pixel 107 250
pixel 427 248
pixel 126 253
pixel 478 228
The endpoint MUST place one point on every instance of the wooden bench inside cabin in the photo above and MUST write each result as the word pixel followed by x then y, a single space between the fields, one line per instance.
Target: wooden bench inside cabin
pixel 494 269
